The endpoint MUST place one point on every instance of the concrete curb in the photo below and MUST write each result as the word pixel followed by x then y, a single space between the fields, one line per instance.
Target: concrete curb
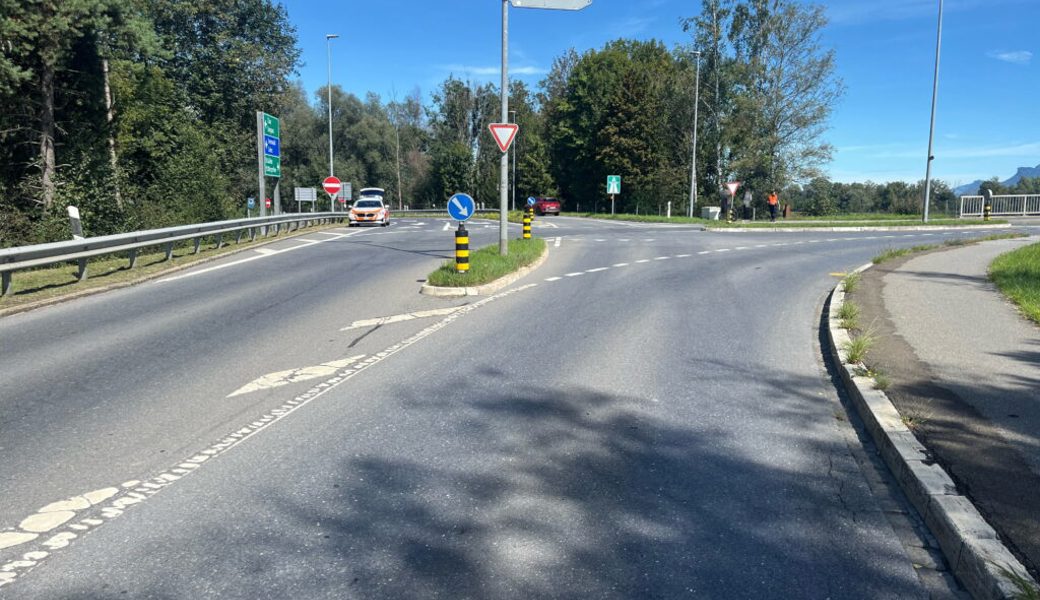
pixel 970 544
pixel 487 288
pixel 840 229
pixel 12 310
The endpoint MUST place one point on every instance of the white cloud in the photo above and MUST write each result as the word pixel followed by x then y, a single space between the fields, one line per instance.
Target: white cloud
pixel 1017 57
pixel 911 151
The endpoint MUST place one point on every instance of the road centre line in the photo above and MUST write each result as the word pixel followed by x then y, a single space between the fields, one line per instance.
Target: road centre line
pixel 662 258
pixel 597 269
pixel 619 265
pixel 252 258
pixel 641 261
pixel 574 274
pixel 113 502
pixel 553 278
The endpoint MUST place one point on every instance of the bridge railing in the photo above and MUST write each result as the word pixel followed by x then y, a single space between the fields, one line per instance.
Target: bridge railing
pixel 1017 205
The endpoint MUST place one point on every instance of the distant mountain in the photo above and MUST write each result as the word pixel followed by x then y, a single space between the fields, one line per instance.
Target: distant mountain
pixel 973 187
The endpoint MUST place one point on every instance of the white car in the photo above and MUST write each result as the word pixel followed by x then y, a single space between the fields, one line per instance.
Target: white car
pixel 369 209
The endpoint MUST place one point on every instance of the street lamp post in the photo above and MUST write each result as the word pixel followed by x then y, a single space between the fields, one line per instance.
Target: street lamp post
pixel 503 234
pixel 328 43
pixel 931 126
pixel 693 156
pixel 512 150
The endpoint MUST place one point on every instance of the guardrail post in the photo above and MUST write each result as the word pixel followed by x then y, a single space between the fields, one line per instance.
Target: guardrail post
pixel 82 274
pixel 220 241
pixel 133 258
pixel 238 237
pixel 169 251
pixel 198 244
pixel 252 234
pixel 461 249
pixel 5 283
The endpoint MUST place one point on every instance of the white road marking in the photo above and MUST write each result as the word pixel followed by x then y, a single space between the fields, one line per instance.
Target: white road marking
pixel 601 240
pixel 662 258
pixel 447 227
pixel 557 243
pixel 597 269
pixel 263 253
pixel 723 250
pixel 574 274
pixel 625 240
pixel 422 314
pixel 682 256
pixel 645 260
pixel 741 248
pixel 139 491
pixel 280 378
pixel 704 252
pixel 553 278
pixel 619 265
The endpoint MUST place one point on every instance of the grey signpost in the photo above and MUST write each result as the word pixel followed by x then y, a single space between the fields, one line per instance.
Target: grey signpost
pixel 503 181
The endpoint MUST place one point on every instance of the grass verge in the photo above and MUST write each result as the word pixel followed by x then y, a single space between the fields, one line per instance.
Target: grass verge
pixel 486 265
pixel 857 347
pixel 35 285
pixel 893 253
pixel 1017 275
pixel 849 315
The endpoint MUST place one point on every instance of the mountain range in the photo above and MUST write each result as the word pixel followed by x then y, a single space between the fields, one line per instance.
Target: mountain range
pixel 973 187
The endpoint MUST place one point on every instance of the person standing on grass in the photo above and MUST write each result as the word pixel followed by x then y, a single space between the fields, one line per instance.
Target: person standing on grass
pixel 773 201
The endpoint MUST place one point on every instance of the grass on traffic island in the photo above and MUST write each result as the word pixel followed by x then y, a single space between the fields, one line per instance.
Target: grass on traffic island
pixel 487 265
pixel 1017 275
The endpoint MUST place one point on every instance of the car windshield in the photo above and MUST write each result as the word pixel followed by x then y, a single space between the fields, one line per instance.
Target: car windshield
pixel 371 192
pixel 368 204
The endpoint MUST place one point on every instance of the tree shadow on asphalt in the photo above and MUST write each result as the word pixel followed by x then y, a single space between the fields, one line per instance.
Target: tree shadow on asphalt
pixel 578 494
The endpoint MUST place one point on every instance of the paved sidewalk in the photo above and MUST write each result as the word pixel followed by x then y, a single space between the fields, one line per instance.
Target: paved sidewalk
pixel 965 372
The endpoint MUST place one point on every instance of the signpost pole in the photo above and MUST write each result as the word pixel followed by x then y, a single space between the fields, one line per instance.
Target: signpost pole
pixel 260 161
pixel 503 182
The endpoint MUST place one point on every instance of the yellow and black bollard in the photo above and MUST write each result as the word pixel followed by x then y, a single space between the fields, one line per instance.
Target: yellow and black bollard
pixel 527 225
pixel 986 211
pixel 461 249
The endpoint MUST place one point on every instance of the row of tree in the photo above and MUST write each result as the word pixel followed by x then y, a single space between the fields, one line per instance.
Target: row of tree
pixel 142 113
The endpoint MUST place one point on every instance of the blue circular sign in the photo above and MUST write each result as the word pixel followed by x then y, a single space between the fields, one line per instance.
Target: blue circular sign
pixel 461 207
pixel 531 201
pixel 251 203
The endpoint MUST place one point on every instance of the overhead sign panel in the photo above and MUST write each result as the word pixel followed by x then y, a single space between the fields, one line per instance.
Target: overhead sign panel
pixel 503 134
pixel 554 4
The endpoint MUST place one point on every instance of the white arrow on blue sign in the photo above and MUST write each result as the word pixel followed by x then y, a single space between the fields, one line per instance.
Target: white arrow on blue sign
pixel 461 207
pixel 272 146
pixel 531 201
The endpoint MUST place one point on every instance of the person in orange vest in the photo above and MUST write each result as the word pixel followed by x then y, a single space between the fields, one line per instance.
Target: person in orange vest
pixel 773 200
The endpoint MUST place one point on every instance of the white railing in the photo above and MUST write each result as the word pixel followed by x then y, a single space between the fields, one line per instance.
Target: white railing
pixel 1020 205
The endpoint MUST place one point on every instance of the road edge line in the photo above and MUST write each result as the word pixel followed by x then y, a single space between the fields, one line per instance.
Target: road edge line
pixel 971 546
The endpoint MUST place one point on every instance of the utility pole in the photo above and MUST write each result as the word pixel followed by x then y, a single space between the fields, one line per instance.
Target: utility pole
pixel 693 157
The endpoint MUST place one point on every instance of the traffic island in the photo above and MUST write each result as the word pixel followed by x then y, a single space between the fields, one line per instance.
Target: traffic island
pixel 488 270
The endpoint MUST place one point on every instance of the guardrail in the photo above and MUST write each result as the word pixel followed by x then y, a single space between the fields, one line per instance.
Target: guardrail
pixel 40 255
pixel 1019 205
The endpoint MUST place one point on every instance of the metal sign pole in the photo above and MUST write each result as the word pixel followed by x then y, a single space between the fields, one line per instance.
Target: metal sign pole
pixel 503 182
pixel 260 161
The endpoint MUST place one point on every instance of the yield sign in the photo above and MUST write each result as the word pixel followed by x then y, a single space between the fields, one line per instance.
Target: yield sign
pixel 733 185
pixel 504 134
pixel 332 185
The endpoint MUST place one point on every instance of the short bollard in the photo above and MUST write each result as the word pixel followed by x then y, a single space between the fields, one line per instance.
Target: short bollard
pixel 527 226
pixel 461 249
pixel 986 210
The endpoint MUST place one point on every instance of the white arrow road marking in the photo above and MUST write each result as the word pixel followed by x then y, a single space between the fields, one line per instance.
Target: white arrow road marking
pixel 273 380
pixel 462 209
pixel 557 243
pixel 422 314
pixel 447 227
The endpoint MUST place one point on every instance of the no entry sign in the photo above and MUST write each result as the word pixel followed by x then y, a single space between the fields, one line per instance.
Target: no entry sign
pixel 332 185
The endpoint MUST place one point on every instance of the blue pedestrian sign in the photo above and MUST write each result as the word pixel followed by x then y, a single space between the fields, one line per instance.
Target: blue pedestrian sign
pixel 250 203
pixel 461 207
pixel 531 201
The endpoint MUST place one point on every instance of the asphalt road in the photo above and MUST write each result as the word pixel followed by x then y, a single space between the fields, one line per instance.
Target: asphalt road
pixel 646 415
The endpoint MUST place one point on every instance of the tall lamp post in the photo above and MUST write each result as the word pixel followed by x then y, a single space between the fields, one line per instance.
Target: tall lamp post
pixel 503 231
pixel 931 126
pixel 693 156
pixel 512 150
pixel 328 43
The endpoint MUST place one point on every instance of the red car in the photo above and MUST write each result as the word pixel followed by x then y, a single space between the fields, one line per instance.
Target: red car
pixel 546 206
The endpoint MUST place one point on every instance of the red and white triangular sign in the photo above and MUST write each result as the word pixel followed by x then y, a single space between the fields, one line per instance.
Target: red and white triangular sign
pixel 733 185
pixel 504 134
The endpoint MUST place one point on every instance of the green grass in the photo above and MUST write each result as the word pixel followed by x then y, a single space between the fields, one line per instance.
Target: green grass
pixel 857 347
pixel 893 253
pixel 848 314
pixel 1017 275
pixel 486 265
pixel 59 280
pixel 1024 588
pixel 851 281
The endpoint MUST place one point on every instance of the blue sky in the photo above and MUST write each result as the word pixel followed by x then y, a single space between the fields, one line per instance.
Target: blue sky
pixel 987 119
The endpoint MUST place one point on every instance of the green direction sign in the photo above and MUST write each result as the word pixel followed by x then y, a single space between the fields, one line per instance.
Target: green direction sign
pixel 613 184
pixel 272 166
pixel 272 126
